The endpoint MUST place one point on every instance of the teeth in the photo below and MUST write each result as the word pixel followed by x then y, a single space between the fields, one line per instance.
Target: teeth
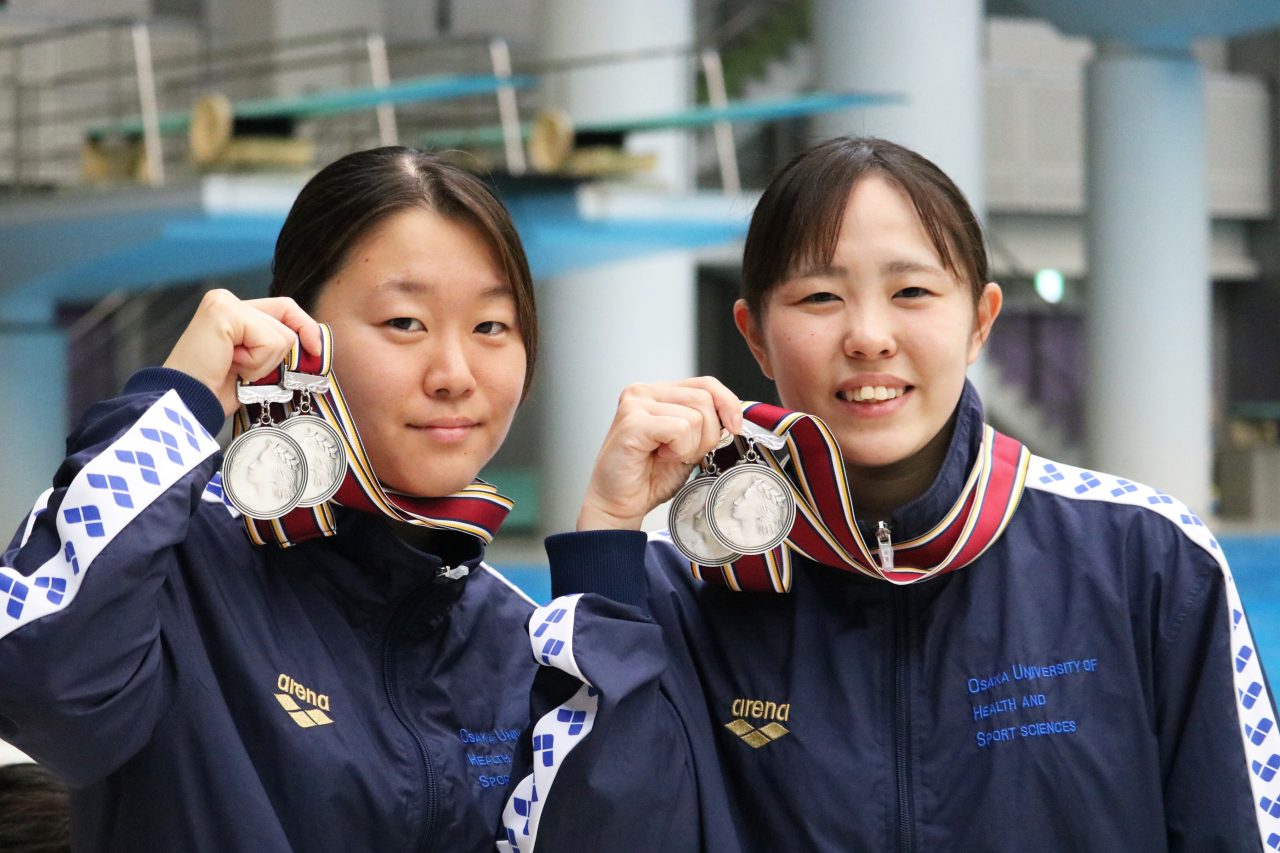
pixel 869 393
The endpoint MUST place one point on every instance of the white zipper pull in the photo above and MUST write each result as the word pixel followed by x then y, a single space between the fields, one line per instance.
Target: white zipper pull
pixel 448 574
pixel 885 541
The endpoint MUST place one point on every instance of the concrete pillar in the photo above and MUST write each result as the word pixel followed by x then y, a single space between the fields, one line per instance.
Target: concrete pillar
pixel 928 52
pixel 1148 291
pixel 33 384
pixel 633 321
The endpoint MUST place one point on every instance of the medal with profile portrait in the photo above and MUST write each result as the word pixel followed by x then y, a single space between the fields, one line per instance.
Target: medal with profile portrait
pixel 750 508
pixel 689 528
pixel 264 472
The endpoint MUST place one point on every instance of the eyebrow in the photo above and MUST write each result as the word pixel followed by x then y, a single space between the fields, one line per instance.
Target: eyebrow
pixel 895 267
pixel 413 286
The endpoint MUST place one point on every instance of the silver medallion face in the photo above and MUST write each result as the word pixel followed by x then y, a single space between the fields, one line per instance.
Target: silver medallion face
pixel 690 531
pixel 264 473
pixel 326 459
pixel 750 509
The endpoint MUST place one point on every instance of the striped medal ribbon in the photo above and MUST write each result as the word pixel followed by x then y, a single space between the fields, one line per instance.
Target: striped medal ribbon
pixel 477 510
pixel 826 529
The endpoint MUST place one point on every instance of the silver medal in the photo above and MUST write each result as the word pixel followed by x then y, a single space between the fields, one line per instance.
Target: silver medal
pixel 264 472
pixel 690 531
pixel 321 446
pixel 320 442
pixel 750 508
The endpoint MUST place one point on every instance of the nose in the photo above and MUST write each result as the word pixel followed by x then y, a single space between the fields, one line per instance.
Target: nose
pixel 448 371
pixel 869 334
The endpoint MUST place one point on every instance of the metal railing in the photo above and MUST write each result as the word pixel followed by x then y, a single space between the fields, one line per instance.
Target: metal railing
pixel 109 99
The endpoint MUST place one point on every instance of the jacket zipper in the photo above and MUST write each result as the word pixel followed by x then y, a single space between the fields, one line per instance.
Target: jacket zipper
pixel 428 770
pixel 902 699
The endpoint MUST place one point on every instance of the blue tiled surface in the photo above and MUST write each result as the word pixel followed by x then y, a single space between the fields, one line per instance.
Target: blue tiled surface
pixel 1255 562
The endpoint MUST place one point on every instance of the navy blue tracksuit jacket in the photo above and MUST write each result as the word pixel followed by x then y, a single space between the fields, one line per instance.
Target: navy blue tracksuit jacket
pixel 1088 684
pixel 199 693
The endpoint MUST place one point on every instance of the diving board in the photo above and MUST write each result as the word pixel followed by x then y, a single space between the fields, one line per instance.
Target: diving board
pixel 416 90
pixel 555 141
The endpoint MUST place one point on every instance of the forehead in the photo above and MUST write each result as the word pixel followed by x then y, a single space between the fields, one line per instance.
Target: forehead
pixel 418 252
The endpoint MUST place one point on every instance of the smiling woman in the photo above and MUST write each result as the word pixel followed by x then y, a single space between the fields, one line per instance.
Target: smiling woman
pixel 163 657
pixel 954 624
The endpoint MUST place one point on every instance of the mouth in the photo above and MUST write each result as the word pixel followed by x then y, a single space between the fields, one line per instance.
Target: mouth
pixel 866 394
pixel 446 430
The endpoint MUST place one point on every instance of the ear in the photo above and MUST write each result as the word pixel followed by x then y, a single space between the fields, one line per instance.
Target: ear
pixel 753 335
pixel 989 304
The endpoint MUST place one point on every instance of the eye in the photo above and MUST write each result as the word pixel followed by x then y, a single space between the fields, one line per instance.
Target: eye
pixel 406 324
pixel 819 298
pixel 492 327
pixel 912 292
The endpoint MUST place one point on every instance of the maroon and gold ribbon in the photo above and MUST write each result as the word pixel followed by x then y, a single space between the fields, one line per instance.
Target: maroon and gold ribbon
pixel 826 529
pixel 477 510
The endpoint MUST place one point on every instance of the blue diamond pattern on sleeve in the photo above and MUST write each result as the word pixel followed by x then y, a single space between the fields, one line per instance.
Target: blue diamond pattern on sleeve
pixel 1267 771
pixel 1091 481
pixel 1257 734
pixel 145 461
pixel 552 618
pixel 1159 498
pixel 1273 841
pixel 116 485
pixel 69 554
pixel 543 746
pixel 1051 474
pixel 1242 658
pixel 575 719
pixel 1123 487
pixel 186 427
pixel 1270 806
pixel 16 591
pixel 89 516
pixel 550 649
pixel 57 588
pixel 165 439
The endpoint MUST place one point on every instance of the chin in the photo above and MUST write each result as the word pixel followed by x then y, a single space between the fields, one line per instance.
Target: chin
pixel 864 454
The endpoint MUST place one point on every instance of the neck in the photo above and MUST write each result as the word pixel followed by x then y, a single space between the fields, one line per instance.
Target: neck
pixel 878 491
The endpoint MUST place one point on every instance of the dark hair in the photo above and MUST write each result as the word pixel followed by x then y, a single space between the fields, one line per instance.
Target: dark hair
pixel 35 811
pixel 347 198
pixel 797 221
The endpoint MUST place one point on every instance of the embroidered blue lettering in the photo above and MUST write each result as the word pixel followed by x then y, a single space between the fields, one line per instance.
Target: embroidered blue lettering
pixel 492 736
pixel 1057 727
pixel 1034 700
pixel 977 685
pixel 998 707
pixel 985 739
pixel 1024 671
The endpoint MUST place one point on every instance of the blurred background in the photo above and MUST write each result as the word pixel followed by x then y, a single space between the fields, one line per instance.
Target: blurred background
pixel 1122 154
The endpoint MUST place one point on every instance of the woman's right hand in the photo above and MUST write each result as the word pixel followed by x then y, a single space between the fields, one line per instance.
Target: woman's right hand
pixel 659 433
pixel 229 338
